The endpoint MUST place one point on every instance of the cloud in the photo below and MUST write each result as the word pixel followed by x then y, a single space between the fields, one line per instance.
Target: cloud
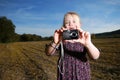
pixel 39 31
pixel 8 4
pixel 112 2
pixel 98 7
pixel 25 9
pixel 99 16
pixel 35 17
pixel 97 25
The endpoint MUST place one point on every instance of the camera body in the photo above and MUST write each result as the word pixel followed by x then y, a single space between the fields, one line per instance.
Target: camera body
pixel 70 34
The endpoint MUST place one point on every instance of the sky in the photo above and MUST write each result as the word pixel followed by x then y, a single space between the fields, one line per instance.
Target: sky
pixel 43 17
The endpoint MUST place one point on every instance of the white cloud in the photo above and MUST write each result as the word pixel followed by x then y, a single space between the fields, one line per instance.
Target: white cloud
pixel 98 25
pixel 25 9
pixel 39 31
pixel 29 17
pixel 112 2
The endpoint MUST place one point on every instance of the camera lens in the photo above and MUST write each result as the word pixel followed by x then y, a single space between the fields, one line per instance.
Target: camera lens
pixel 74 34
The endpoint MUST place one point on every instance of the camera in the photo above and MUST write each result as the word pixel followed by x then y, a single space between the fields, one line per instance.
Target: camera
pixel 70 34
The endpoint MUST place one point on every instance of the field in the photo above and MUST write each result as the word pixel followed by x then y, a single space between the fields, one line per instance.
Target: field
pixel 27 61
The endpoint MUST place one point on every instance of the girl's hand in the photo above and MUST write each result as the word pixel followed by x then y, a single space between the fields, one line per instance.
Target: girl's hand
pixel 58 35
pixel 84 37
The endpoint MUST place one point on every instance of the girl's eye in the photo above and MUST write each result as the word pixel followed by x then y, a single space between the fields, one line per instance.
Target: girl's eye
pixel 66 22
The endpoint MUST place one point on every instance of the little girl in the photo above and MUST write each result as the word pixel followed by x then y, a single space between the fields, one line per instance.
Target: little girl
pixel 74 65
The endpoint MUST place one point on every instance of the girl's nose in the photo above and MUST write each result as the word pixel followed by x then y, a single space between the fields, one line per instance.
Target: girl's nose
pixel 71 24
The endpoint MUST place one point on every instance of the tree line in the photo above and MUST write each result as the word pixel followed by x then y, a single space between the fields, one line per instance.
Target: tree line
pixel 8 34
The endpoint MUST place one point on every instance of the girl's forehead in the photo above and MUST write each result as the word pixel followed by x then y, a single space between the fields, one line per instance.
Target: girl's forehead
pixel 75 17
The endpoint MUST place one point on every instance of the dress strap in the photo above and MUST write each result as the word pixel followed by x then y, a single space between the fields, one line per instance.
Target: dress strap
pixel 61 63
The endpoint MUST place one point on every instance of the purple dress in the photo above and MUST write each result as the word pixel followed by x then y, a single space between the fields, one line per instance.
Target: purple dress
pixel 75 64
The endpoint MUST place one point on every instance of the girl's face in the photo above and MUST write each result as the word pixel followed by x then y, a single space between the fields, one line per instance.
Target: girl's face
pixel 71 22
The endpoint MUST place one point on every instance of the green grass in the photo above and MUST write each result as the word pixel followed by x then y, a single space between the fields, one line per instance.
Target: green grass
pixel 27 61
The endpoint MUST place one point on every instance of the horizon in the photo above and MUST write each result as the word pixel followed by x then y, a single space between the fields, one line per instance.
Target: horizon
pixel 44 17
pixel 91 33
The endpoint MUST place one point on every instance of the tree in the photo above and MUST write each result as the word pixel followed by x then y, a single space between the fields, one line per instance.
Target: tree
pixel 7 30
pixel 93 35
pixel 30 37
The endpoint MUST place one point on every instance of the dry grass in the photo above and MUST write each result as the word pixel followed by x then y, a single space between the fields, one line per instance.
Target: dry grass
pixel 107 67
pixel 23 61
pixel 27 61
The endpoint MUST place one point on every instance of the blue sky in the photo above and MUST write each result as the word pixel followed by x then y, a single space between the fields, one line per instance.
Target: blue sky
pixel 42 17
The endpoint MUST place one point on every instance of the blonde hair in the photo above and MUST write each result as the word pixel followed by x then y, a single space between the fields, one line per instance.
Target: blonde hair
pixel 69 13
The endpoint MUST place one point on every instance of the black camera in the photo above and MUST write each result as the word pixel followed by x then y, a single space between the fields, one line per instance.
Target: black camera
pixel 70 34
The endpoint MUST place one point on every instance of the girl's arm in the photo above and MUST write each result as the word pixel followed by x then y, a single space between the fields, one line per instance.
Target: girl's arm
pixel 85 39
pixel 93 52
pixel 51 48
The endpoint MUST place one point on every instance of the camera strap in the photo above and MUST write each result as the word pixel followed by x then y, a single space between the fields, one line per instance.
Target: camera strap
pixel 61 63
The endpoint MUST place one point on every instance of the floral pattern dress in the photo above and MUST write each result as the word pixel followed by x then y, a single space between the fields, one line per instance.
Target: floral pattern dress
pixel 75 64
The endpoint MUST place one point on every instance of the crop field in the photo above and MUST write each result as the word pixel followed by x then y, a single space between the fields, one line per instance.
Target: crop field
pixel 28 61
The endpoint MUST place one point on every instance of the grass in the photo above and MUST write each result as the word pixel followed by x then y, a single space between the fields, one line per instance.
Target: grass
pixel 27 61
pixel 107 66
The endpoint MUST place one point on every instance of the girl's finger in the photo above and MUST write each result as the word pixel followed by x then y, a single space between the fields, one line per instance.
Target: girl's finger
pixel 80 30
pixel 83 34
pixel 62 29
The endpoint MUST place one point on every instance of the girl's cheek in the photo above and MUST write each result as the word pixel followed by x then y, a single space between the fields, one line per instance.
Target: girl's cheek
pixel 77 26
